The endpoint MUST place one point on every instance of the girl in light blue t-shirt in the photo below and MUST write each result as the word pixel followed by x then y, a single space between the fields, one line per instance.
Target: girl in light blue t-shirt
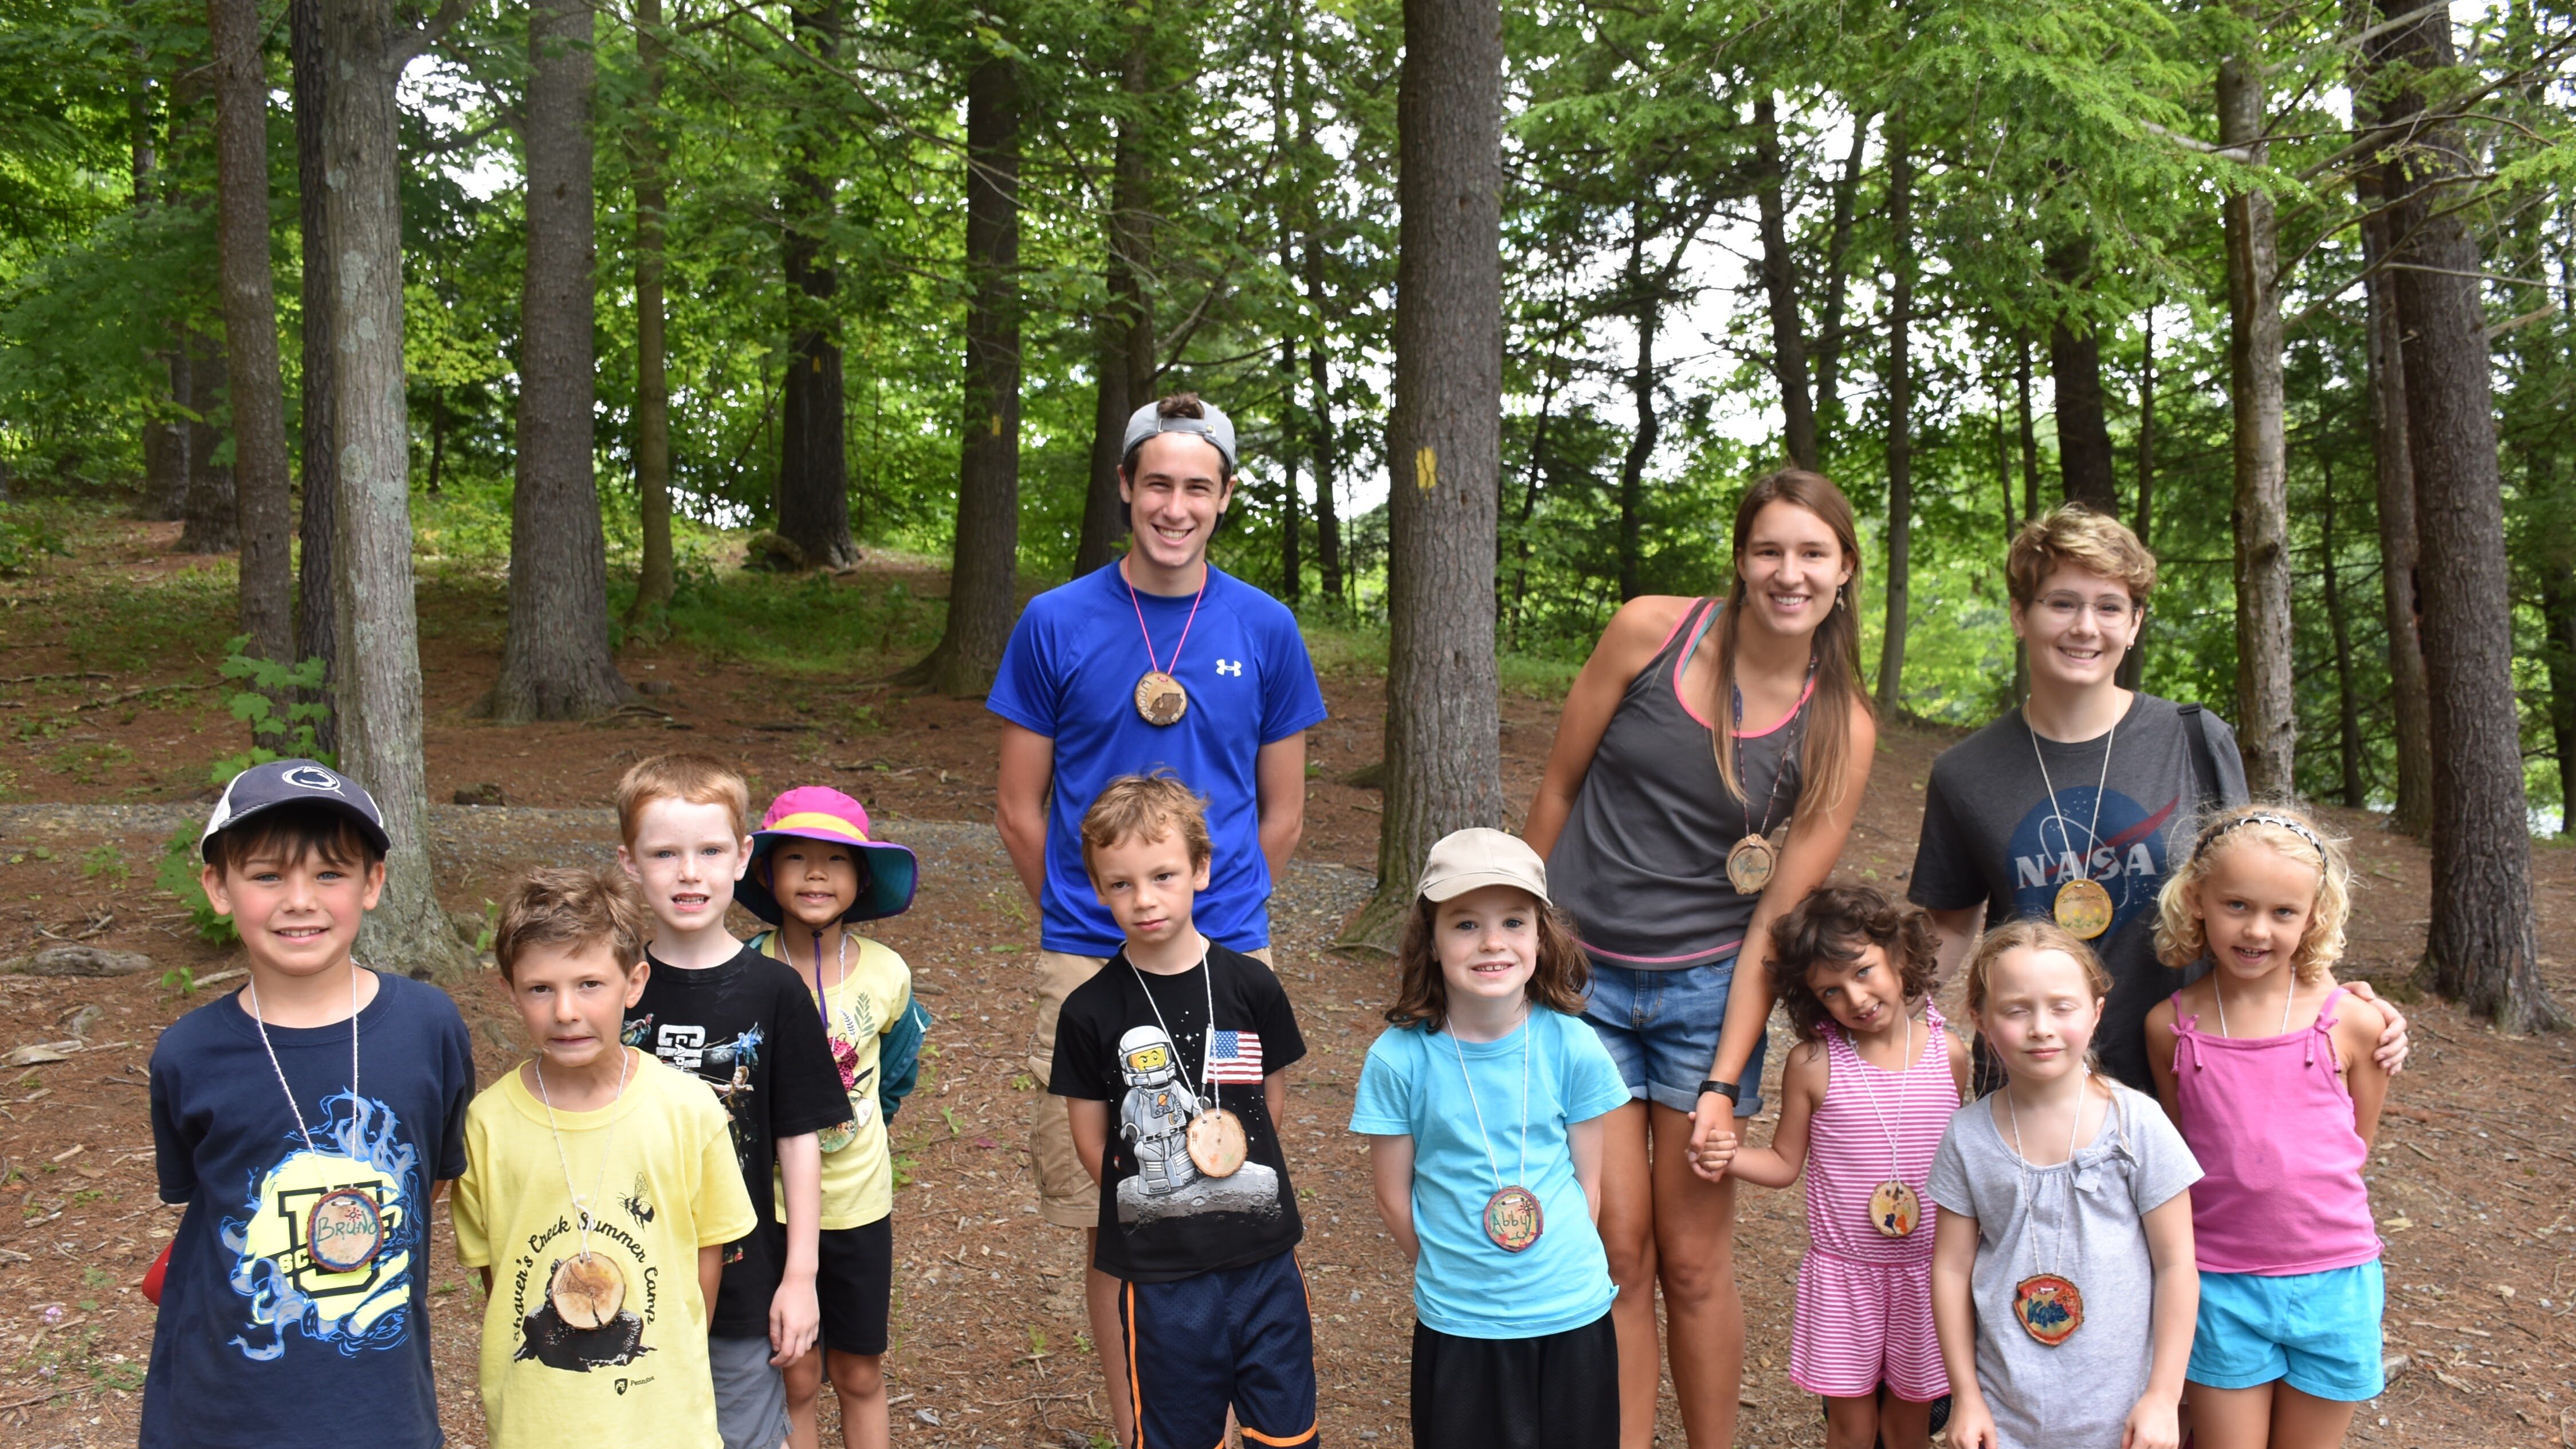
pixel 1483 1105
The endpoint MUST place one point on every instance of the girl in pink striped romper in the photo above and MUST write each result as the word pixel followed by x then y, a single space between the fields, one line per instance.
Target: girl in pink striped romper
pixel 1864 1100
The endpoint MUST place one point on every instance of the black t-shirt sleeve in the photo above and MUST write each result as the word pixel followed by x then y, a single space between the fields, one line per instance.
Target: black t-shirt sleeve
pixel 456 1079
pixel 1945 875
pixel 1282 1045
pixel 1076 1069
pixel 805 1083
pixel 174 1153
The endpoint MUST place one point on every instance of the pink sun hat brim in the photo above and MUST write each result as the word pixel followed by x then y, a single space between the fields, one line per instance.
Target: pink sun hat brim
pixel 819 812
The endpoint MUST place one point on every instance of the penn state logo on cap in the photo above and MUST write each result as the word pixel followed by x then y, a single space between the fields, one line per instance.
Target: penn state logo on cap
pixel 294 782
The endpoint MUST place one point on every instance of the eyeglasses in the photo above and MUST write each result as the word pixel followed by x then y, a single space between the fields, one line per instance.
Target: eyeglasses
pixel 2108 609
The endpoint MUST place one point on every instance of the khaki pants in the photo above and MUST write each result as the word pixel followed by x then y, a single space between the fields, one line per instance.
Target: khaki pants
pixel 1067 1197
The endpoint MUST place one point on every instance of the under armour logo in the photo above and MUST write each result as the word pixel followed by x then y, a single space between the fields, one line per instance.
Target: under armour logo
pixel 1230 666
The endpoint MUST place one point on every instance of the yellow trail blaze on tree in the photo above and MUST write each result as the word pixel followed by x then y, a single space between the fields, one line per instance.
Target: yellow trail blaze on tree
pixel 1426 469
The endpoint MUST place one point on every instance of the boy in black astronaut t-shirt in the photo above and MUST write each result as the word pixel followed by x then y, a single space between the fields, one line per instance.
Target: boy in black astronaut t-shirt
pixel 1168 1060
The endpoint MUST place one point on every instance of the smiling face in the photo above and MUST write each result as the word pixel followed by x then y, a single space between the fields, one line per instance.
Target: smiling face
pixel 1487 944
pixel 686 856
pixel 1866 995
pixel 2255 906
pixel 1792 567
pixel 298 914
pixel 2039 1014
pixel 2078 626
pixel 1175 491
pixel 1149 884
pixel 814 880
pixel 572 998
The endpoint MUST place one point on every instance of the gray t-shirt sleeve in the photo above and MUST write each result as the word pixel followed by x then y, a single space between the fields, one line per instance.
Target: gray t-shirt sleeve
pixel 1951 1185
pixel 2223 750
pixel 1945 875
pixel 2165 1164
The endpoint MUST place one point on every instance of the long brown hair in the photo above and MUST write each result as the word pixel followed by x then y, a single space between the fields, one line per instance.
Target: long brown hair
pixel 1422 993
pixel 1836 924
pixel 1825 766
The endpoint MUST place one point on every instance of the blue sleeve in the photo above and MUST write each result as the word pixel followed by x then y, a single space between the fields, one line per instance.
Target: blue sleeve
pixel 1291 699
pixel 174 1153
pixel 1025 687
pixel 1593 1085
pixel 899 1057
pixel 456 1073
pixel 1382 1106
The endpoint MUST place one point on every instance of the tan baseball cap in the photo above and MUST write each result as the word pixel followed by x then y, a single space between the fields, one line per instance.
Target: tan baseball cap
pixel 1469 860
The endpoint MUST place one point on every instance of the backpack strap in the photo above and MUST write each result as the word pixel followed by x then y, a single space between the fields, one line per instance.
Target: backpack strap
pixel 2204 764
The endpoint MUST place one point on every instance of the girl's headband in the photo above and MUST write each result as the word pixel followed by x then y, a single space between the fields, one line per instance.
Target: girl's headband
pixel 2298 828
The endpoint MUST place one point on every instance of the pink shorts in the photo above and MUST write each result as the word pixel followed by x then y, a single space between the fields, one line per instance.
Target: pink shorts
pixel 1861 1325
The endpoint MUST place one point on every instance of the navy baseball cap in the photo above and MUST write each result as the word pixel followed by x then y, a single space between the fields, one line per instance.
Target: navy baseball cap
pixel 1213 425
pixel 294 782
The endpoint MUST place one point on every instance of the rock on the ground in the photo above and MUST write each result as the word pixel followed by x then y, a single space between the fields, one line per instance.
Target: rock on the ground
pixel 486 793
pixel 77 961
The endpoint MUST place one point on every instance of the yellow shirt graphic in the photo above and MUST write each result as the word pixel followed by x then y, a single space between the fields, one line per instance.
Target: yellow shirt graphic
pixel 858 1167
pixel 634 1373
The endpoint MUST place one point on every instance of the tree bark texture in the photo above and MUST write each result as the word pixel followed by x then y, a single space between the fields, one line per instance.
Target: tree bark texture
pixel 209 522
pixel 2267 729
pixel 1328 520
pixel 1642 384
pixel 556 662
pixel 2084 461
pixel 2558 654
pixel 165 448
pixel 263 494
pixel 813 439
pixel 2352 792
pixel 317 628
pixel 378 703
pixel 1780 286
pixel 2409 692
pixel 1443 723
pixel 984 572
pixel 1124 345
pixel 1104 520
pixel 2481 949
pixel 1829 327
pixel 2027 433
pixel 656 579
pixel 1900 421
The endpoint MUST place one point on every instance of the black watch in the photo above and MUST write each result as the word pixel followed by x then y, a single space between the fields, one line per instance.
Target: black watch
pixel 1728 1090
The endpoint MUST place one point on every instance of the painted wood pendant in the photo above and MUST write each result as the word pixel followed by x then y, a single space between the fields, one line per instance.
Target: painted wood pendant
pixel 587 1290
pixel 1216 1142
pixel 1749 866
pixel 1894 1209
pixel 345 1230
pixel 1160 698
pixel 2083 907
pixel 2049 1306
pixel 1513 1219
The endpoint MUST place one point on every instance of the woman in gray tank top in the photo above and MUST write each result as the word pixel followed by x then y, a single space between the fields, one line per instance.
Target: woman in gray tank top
pixel 1697 737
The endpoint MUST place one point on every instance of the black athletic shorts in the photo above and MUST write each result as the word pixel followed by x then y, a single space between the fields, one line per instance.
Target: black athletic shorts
pixel 853 1278
pixel 1231 1337
pixel 1558 1391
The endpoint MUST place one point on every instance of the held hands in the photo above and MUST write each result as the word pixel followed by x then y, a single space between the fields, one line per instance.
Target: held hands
pixel 2153 1424
pixel 1712 1142
pixel 795 1321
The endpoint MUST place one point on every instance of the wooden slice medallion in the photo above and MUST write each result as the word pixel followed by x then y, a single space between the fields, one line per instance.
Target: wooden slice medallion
pixel 2049 1306
pixel 1894 1209
pixel 2083 907
pixel 1160 698
pixel 1513 1219
pixel 587 1290
pixel 345 1230
pixel 1216 1142
pixel 1750 864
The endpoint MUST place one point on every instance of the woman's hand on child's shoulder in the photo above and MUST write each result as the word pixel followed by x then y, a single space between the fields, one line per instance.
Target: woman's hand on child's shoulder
pixel 2393 1043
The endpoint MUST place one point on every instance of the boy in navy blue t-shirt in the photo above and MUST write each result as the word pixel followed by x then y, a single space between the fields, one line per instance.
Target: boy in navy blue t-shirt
pixel 307 1122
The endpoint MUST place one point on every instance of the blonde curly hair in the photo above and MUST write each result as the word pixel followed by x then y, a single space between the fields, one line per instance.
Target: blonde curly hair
pixel 2182 938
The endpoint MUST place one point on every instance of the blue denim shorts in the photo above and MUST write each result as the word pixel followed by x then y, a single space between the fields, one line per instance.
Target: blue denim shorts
pixel 2318 1332
pixel 1662 1027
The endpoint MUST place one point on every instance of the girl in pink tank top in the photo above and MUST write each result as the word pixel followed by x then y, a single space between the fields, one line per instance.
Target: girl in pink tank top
pixel 2265 1065
pixel 1864 1100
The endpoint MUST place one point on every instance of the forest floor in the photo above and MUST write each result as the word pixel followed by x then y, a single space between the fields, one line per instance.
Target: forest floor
pixel 109 721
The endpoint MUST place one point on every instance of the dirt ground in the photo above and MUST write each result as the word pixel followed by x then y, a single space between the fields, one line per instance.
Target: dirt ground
pixel 2468 1180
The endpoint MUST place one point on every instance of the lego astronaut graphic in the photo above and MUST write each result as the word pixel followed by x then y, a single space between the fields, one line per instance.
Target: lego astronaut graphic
pixel 1154 1120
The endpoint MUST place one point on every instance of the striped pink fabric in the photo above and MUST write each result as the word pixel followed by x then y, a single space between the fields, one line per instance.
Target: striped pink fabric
pixel 1864 1314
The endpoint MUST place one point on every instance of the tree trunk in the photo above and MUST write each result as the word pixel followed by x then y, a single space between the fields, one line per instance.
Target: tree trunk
pixel 1443 721
pixel 165 448
pixel 656 580
pixel 209 523
pixel 1127 324
pixel 1532 477
pixel 1292 563
pixel 2029 437
pixel 2075 364
pixel 814 457
pixel 556 662
pixel 984 570
pixel 2267 725
pixel 1829 330
pixel 1104 517
pixel 2409 697
pixel 1780 286
pixel 317 629
pixel 2480 949
pixel 263 496
pixel 379 686
pixel 1900 420
pixel 2347 700
pixel 2558 654
pixel 2133 666
pixel 1641 389
pixel 1328 519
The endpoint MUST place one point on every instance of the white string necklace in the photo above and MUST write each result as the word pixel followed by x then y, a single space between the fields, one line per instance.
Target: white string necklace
pixel 607 1147
pixel 1215 1137
pixel 2287 1001
pixel 2082 905
pixel 344 1229
pixel 1894 1207
pixel 1512 1216
pixel 259 1023
pixel 2048 1304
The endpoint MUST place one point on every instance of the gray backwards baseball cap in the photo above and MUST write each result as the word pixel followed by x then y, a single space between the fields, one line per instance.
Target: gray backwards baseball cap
pixel 1214 426
pixel 294 782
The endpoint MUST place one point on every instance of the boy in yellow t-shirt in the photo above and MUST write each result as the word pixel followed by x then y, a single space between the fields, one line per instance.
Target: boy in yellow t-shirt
pixel 814 872
pixel 599 1191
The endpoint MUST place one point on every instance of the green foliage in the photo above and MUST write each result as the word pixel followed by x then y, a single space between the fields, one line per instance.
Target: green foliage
pixel 179 875
pixel 276 734
pixel 26 533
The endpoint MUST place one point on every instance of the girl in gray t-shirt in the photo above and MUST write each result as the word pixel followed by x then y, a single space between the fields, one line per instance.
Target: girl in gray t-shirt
pixel 2062 1277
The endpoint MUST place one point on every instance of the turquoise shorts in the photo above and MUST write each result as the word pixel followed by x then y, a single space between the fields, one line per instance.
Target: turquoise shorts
pixel 2317 1332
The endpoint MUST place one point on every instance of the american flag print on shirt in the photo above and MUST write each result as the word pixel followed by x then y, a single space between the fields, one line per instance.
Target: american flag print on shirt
pixel 1235 1056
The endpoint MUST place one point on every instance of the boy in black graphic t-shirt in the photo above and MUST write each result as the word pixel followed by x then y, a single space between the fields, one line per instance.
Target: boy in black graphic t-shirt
pixel 1169 1061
